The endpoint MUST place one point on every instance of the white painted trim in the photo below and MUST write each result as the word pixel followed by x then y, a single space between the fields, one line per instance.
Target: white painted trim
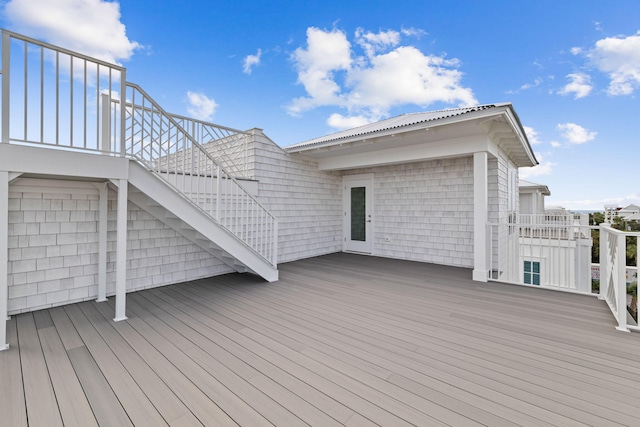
pixel 121 252
pixel 102 242
pixel 481 241
pixel 456 147
pixel 4 257
pixel 367 246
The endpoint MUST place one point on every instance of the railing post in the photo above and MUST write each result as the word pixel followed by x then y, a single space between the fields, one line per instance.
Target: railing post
pixel 218 198
pixel 6 86
pixel 105 123
pixel 4 257
pixel 123 108
pixel 604 261
pixel 274 261
pixel 621 284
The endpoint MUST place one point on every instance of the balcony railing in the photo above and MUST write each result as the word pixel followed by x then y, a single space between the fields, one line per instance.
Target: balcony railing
pixel 56 98
pixel 613 283
pixel 548 255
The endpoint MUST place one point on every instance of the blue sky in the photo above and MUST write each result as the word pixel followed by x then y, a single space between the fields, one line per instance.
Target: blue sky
pixel 303 69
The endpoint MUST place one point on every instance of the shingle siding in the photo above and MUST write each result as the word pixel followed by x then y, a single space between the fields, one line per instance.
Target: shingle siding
pixel 307 202
pixel 53 249
pixel 424 211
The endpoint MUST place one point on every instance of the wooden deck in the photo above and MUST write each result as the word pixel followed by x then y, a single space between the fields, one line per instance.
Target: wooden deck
pixel 339 340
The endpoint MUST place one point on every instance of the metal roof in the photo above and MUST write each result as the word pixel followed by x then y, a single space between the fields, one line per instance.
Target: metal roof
pixel 532 185
pixel 394 123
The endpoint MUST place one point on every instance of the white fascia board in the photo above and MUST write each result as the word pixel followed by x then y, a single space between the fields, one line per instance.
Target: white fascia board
pixel 49 161
pixel 514 121
pixel 475 115
pixel 457 147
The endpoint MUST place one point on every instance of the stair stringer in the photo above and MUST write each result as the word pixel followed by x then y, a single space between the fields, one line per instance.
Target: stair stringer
pixel 174 210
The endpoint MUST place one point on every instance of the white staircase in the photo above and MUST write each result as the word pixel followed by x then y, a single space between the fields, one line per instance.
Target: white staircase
pixel 152 195
pixel 170 175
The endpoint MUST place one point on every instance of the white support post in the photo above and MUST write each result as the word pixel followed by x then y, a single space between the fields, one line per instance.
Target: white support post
pixel 274 260
pixel 102 242
pixel 604 262
pixel 123 112
pixel 121 252
pixel 4 257
pixel 480 217
pixel 105 123
pixel 621 285
pixel 218 198
pixel 6 87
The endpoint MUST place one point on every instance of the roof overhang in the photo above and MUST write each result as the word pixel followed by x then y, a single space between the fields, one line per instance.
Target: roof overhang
pixel 492 130
pixel 532 187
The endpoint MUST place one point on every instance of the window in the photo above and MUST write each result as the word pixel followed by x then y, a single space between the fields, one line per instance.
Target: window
pixel 532 272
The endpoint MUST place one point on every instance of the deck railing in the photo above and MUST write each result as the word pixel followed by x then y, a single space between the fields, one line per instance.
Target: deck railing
pixel 230 147
pixel 51 96
pixel 613 283
pixel 548 255
pixel 57 98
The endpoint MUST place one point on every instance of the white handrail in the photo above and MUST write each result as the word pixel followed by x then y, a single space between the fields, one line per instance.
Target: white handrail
pixel 155 139
pixel 53 97
pixel 613 284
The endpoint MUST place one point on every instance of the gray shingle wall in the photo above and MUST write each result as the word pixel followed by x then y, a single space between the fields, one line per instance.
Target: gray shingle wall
pixel 53 249
pixel 424 211
pixel 307 202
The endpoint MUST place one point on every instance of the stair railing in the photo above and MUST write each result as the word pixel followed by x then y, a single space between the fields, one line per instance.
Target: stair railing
pixel 228 146
pixel 155 139
pixel 62 99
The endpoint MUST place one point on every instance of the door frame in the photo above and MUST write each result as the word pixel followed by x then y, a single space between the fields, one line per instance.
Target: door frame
pixel 348 245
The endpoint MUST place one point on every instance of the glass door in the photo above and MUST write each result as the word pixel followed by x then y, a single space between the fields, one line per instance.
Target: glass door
pixel 358 197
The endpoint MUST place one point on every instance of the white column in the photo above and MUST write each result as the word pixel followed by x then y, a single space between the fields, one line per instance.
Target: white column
pixel 480 217
pixel 121 252
pixel 102 242
pixel 4 256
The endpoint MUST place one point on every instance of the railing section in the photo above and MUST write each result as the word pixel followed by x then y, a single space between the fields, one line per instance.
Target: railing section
pixel 52 96
pixel 156 140
pixel 613 283
pixel 228 146
pixel 547 255
pixel 61 99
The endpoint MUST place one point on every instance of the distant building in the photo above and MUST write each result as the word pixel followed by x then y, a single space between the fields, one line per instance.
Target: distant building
pixel 629 213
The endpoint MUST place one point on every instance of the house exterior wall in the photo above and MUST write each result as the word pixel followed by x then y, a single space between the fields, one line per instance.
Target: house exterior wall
pixel 424 211
pixel 503 202
pixel 53 247
pixel 307 202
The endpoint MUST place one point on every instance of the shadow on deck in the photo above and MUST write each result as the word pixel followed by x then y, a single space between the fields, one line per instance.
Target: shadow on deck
pixel 339 340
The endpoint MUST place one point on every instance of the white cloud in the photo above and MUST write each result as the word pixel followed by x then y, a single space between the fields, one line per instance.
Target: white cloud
pixel 340 122
pixel 91 27
pixel 201 107
pixel 532 135
pixel 619 57
pixel 327 52
pixel 413 32
pixel 543 168
pixel 376 42
pixel 576 50
pixel 580 85
pixel 575 134
pixel 368 86
pixel 535 83
pixel 251 61
pixel 598 204
pixel 555 144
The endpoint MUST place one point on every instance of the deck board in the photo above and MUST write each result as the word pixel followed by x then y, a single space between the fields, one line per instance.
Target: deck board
pixel 339 340
pixel 42 408
pixel 12 403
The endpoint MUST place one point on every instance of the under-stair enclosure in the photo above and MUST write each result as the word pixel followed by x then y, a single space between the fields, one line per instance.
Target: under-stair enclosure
pixel 69 117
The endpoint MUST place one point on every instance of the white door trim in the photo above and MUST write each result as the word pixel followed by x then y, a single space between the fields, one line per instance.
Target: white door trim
pixel 350 181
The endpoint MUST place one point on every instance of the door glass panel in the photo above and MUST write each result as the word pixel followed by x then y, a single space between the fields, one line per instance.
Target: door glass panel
pixel 358 212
